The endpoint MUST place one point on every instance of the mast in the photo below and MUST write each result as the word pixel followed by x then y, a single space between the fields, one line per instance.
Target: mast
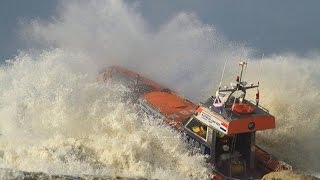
pixel 242 64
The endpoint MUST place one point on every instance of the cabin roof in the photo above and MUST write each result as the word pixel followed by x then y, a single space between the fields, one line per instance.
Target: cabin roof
pixel 230 122
pixel 229 115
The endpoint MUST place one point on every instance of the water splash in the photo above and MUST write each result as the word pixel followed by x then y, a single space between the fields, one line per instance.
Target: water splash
pixel 58 121
pixel 290 91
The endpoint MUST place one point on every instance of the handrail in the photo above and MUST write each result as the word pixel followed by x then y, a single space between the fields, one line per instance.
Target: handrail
pixel 259 106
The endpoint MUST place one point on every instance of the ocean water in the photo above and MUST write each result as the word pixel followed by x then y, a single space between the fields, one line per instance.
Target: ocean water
pixel 56 118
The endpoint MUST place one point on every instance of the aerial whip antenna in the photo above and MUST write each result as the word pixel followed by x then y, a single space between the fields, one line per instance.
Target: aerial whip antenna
pixel 224 68
pixel 257 94
pixel 217 101
pixel 245 70
pixel 260 66
pixel 243 64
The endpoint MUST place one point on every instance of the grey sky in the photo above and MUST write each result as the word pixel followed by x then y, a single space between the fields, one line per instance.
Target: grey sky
pixel 14 11
pixel 270 26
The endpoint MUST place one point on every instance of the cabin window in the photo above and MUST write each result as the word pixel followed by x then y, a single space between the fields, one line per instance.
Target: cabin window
pixel 198 128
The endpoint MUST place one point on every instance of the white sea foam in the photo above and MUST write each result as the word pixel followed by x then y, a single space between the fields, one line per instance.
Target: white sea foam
pixel 56 118
pixel 290 90
pixel 58 121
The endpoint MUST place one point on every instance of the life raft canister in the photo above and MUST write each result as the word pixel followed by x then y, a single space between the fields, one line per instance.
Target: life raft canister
pixel 242 108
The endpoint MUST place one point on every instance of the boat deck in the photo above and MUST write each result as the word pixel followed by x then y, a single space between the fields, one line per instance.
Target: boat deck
pixel 229 115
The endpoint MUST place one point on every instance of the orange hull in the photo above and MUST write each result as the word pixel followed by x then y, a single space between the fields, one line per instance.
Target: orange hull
pixel 268 163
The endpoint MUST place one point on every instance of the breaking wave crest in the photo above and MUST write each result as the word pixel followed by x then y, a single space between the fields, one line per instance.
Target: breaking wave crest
pixel 56 118
pixel 290 90
pixel 58 121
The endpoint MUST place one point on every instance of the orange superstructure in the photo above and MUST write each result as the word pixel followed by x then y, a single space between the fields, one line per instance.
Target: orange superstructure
pixel 238 125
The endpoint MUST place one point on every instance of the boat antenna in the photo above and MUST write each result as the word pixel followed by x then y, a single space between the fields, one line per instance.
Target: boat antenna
pixel 245 70
pixel 224 68
pixel 239 78
pixel 260 68
pixel 259 76
pixel 243 64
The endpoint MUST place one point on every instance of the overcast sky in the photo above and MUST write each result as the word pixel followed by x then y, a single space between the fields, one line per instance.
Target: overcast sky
pixel 270 26
pixel 13 11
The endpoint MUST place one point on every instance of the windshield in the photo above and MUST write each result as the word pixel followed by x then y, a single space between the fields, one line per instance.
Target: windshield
pixel 198 128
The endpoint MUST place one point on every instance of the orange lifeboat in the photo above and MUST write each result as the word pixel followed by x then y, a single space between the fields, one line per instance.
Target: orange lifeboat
pixel 242 108
pixel 214 118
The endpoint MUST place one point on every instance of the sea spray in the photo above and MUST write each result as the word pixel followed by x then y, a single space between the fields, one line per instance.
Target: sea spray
pixel 290 90
pixel 58 121
pixel 183 54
